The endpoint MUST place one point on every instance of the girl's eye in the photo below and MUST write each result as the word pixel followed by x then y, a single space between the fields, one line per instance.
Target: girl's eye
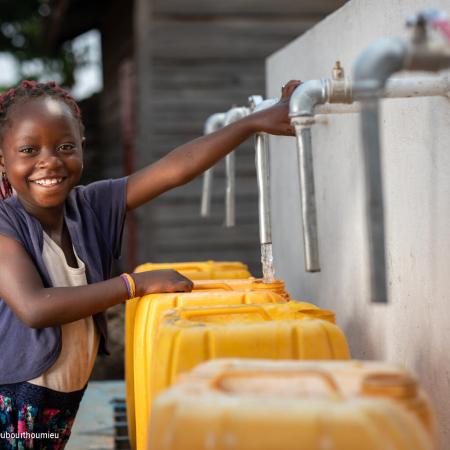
pixel 27 150
pixel 66 147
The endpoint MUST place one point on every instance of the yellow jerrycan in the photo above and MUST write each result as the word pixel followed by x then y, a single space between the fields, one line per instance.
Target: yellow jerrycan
pixel 249 284
pixel 143 316
pixel 188 336
pixel 354 378
pixel 267 410
pixel 244 284
pixel 202 270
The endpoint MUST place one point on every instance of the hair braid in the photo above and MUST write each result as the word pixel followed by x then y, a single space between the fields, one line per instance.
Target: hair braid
pixel 29 89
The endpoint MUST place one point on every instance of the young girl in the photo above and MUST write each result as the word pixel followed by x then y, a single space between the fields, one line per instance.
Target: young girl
pixel 57 243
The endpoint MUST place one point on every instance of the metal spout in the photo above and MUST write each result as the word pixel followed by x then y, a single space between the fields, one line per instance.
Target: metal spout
pixel 230 169
pixel 302 127
pixel 262 161
pixel 303 103
pixel 213 123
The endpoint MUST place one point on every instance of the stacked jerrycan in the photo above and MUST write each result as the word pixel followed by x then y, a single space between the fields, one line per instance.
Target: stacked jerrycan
pixel 204 270
pixel 223 318
pixel 292 330
pixel 242 404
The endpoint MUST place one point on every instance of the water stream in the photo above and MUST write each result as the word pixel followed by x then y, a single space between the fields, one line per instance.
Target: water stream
pixel 267 263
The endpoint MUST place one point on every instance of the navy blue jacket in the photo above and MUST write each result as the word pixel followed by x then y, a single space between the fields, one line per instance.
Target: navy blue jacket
pixel 95 216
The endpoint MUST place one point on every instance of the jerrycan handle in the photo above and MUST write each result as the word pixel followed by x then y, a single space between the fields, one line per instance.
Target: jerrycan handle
pixel 218 380
pixel 206 286
pixel 394 385
pixel 322 314
pixel 216 311
pixel 187 267
pixel 231 266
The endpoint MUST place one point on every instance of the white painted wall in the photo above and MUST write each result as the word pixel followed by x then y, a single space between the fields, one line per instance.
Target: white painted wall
pixel 414 328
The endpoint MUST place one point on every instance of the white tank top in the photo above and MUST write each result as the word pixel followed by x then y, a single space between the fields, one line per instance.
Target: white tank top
pixel 80 339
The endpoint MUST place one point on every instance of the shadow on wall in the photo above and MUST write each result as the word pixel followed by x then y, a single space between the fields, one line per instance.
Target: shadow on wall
pixel 361 345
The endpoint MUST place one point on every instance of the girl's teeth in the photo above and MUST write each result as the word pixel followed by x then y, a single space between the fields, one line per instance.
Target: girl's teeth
pixel 49 182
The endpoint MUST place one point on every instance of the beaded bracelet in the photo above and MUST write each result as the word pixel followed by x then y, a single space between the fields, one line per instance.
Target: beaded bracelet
pixel 130 284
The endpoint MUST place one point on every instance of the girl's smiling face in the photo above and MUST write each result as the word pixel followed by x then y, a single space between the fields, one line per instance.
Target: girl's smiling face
pixel 41 152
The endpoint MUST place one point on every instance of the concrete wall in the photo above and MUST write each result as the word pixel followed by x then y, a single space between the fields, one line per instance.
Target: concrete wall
pixel 413 328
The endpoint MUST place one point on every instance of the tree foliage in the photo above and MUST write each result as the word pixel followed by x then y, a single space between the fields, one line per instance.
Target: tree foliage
pixel 23 24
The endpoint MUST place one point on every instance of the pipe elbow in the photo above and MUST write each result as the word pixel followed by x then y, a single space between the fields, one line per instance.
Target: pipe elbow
pixel 376 64
pixel 268 103
pixel 214 122
pixel 236 113
pixel 306 97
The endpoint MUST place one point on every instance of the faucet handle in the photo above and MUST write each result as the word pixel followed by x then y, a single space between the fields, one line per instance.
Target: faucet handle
pixel 426 16
pixel 435 18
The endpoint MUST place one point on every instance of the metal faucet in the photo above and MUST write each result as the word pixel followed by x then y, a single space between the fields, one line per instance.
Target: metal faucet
pixel 422 51
pixel 230 168
pixel 301 110
pixel 262 161
pixel 213 123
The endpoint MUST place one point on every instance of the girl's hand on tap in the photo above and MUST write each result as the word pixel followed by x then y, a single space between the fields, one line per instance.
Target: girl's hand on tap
pixel 275 120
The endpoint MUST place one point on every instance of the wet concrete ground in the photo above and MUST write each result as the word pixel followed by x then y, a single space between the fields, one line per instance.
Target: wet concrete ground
pixel 93 428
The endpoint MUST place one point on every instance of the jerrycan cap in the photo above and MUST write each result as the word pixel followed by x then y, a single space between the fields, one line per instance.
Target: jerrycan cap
pixel 260 284
pixel 394 385
pixel 276 286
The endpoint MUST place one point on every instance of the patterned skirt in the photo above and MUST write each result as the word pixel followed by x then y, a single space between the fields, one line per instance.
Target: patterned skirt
pixel 35 417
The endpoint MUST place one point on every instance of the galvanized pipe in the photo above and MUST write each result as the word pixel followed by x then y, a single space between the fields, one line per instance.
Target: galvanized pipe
pixel 213 123
pixel 336 96
pixel 372 69
pixel 316 91
pixel 230 169
pixel 262 161
pixel 230 190
pixel 305 98
pixel 395 88
pixel 301 109
pixel 307 191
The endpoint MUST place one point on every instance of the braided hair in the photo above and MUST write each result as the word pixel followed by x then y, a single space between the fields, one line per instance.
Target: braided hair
pixel 28 90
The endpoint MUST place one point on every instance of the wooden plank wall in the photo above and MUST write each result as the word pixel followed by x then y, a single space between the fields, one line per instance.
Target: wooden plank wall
pixel 207 55
pixel 203 57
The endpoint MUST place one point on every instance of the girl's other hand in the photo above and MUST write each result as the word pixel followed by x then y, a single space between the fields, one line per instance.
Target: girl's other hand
pixel 166 280
pixel 276 120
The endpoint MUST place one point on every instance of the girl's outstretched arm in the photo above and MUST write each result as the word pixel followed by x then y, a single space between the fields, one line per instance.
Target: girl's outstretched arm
pixel 189 160
pixel 38 307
